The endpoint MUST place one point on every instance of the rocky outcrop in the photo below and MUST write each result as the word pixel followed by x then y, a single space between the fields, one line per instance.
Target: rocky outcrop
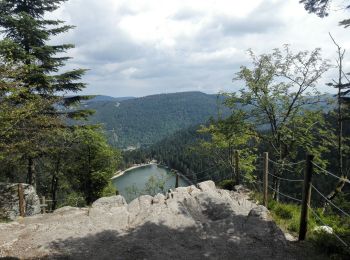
pixel 9 200
pixel 195 222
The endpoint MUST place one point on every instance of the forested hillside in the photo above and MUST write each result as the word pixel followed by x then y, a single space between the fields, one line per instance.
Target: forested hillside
pixel 144 121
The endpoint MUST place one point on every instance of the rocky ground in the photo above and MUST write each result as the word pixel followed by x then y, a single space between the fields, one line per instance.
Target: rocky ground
pixel 188 223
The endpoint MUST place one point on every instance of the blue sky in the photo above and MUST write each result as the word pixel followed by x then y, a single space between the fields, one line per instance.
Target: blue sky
pixel 143 47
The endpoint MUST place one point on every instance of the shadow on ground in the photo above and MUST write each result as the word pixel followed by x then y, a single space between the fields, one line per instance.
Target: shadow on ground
pixel 218 235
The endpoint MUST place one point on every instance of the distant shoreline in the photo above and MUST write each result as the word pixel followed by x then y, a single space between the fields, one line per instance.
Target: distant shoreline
pixel 121 173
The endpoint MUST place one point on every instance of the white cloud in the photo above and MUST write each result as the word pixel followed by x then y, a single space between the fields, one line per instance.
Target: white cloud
pixel 140 47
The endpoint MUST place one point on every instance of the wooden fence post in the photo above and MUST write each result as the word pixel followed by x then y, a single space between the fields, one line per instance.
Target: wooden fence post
pixel 306 197
pixel 21 200
pixel 237 167
pixel 177 180
pixel 265 178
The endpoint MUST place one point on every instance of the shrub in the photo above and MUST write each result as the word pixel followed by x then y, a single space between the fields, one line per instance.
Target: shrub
pixel 226 184
pixel 283 211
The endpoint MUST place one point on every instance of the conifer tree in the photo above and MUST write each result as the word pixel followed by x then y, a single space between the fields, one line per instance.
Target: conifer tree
pixel 26 35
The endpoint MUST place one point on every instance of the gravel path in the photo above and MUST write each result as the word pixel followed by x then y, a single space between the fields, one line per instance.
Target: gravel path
pixel 188 223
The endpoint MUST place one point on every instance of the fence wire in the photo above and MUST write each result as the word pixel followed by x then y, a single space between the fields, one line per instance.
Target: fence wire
pixel 285 195
pixel 331 174
pixel 333 233
pixel 286 164
pixel 285 179
pixel 329 201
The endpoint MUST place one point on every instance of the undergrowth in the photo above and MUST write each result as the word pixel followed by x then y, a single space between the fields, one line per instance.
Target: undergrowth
pixel 287 217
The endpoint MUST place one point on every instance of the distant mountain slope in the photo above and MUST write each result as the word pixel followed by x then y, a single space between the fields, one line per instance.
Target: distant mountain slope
pixel 146 120
pixel 101 98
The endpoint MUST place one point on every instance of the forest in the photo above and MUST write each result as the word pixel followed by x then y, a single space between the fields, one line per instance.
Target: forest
pixel 144 121
pixel 69 163
pixel 68 144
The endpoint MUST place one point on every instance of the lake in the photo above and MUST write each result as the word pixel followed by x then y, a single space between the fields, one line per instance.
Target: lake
pixel 150 179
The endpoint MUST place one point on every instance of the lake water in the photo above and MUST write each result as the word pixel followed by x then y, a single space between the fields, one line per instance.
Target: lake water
pixel 149 179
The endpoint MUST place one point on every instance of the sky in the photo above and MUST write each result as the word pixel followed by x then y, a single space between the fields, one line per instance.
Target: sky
pixel 144 47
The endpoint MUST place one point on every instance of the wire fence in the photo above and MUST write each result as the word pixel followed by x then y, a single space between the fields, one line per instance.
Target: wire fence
pixel 323 223
pixel 331 174
pixel 328 173
pixel 329 201
pixel 284 195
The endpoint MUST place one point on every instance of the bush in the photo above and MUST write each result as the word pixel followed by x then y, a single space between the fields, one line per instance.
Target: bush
pixel 226 184
pixel 328 242
pixel 284 211
pixel 73 199
pixel 109 190
pixel 287 216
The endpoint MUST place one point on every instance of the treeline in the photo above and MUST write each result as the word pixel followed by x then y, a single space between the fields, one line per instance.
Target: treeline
pixel 280 111
pixel 65 163
pixel 180 152
pixel 147 120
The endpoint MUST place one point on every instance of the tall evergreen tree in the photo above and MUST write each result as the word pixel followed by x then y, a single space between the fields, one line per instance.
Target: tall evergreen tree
pixel 26 36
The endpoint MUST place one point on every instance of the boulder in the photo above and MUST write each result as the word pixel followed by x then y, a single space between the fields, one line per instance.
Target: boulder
pixel 9 200
pixel 196 222
pixel 323 229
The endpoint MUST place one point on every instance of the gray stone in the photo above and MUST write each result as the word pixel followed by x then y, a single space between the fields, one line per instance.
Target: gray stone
pixel 9 200
pixel 108 202
pixel 200 222
pixel 260 212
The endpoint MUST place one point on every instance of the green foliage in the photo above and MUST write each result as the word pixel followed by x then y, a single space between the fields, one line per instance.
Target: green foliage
pixel 73 199
pixel 147 120
pixel 279 89
pixel 228 136
pixel 132 192
pixel 287 216
pixel 70 165
pixel 176 152
pixel 109 190
pixel 93 163
pixel 30 84
pixel 328 242
pixel 226 184
pixel 284 212
pixel 154 185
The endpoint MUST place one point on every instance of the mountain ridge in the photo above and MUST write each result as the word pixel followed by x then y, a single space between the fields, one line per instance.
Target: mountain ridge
pixel 145 120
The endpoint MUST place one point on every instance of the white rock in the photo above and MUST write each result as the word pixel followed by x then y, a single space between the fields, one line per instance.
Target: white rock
pixel 323 229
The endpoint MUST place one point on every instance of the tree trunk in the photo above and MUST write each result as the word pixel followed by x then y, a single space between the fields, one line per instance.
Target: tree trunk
pixel 89 196
pixel 340 86
pixel 276 186
pixel 31 175
pixel 54 184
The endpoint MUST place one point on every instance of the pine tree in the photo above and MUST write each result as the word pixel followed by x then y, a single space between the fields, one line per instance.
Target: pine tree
pixel 26 36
